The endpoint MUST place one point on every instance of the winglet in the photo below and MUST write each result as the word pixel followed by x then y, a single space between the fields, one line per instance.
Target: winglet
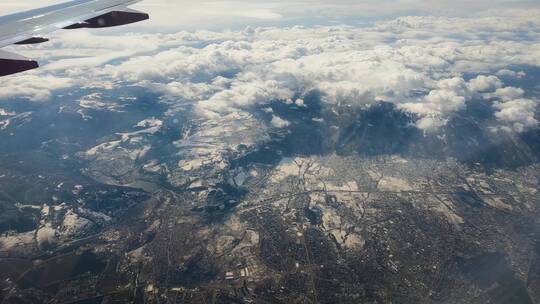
pixel 110 19
pixel 12 63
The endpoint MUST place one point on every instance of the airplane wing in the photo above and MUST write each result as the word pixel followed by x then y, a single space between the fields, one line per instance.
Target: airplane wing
pixel 30 27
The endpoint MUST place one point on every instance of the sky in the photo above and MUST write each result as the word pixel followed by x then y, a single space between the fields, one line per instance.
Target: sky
pixel 219 14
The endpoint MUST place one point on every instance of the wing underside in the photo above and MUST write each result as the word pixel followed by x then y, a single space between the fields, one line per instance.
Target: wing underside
pixel 30 27
pixel 12 63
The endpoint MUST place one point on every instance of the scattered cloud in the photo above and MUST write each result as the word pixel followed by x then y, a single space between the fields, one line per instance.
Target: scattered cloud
pixel 483 84
pixel 508 93
pixel 279 122
pixel 33 87
pixel 510 73
pixel 449 97
pixel 421 64
pixel 517 115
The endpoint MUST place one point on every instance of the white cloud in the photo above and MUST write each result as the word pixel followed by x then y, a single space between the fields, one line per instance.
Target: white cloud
pixel 418 63
pixel 431 123
pixel 244 94
pixel 508 93
pixel 510 73
pixel 279 122
pixel 32 86
pixel 483 84
pixel 448 97
pixel 517 115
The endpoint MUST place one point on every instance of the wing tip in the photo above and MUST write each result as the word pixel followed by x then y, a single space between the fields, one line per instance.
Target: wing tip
pixel 111 19
pixel 10 66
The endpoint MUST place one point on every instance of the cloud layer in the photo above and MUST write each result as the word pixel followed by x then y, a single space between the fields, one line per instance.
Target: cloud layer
pixel 421 64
